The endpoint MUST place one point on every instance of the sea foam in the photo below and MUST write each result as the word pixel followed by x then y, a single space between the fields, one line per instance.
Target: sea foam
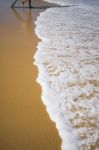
pixel 68 61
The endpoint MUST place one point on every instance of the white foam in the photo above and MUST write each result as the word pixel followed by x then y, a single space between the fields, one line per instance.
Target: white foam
pixel 67 59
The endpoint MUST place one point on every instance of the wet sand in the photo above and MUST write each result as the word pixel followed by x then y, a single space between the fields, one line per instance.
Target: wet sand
pixel 24 123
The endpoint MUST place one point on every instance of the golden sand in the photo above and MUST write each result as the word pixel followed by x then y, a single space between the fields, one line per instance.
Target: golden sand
pixel 24 123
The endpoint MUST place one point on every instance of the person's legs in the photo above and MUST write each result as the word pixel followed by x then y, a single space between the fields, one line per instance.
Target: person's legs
pixel 29 1
pixel 30 4
pixel 24 1
pixel 13 3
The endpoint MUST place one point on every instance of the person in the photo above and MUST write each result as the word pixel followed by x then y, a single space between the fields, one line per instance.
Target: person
pixel 14 2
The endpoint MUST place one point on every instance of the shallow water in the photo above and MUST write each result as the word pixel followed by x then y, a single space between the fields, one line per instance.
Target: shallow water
pixel 68 62
pixel 74 2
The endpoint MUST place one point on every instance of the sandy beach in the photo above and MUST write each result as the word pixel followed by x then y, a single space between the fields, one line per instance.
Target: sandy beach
pixel 24 122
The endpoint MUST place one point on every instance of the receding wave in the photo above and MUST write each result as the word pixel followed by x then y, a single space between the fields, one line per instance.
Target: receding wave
pixel 74 2
pixel 68 61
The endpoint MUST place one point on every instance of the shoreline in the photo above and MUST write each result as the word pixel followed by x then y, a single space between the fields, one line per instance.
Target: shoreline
pixel 25 123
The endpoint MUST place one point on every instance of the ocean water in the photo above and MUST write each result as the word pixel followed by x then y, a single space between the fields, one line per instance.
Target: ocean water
pixel 67 58
pixel 74 2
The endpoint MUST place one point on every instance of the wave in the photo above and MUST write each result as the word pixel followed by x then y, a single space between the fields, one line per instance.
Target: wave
pixel 74 2
pixel 68 61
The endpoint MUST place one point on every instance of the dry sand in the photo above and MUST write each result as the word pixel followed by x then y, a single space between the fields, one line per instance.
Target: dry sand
pixel 24 123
